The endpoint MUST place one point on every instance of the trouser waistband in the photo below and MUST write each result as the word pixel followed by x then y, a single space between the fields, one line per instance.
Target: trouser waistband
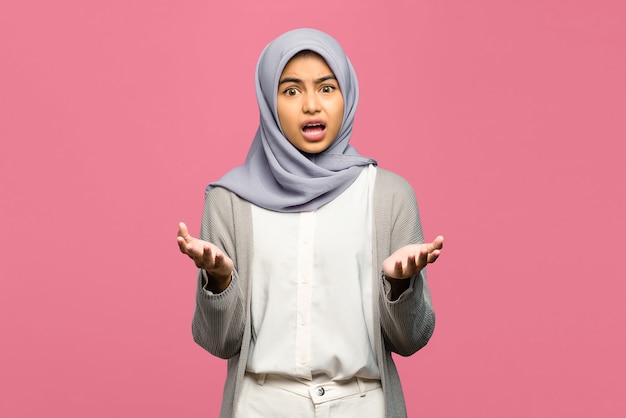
pixel 318 392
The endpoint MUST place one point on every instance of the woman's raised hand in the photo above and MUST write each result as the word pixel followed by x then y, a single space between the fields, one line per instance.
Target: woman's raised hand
pixel 411 259
pixel 205 255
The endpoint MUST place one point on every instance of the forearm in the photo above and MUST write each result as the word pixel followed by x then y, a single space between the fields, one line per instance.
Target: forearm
pixel 218 320
pixel 408 321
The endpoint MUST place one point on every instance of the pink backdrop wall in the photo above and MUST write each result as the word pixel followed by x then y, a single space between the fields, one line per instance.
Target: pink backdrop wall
pixel 506 116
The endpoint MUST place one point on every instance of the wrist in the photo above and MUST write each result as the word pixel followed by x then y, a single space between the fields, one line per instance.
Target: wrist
pixel 217 283
pixel 398 286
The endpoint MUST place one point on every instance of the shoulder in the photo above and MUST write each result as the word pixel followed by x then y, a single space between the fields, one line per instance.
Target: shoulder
pixel 223 203
pixel 389 184
pixel 222 196
pixel 225 214
pixel 217 193
pixel 393 196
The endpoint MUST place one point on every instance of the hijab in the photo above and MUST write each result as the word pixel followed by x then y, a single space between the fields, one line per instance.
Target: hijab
pixel 276 175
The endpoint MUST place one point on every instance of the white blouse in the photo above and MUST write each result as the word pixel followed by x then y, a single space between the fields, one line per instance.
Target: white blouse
pixel 312 313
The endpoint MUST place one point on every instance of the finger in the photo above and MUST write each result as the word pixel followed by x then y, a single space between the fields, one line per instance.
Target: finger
pixel 195 254
pixel 422 258
pixel 182 245
pixel 397 269
pixel 436 244
pixel 183 231
pixel 411 266
pixel 432 257
pixel 218 260
pixel 195 250
pixel 208 257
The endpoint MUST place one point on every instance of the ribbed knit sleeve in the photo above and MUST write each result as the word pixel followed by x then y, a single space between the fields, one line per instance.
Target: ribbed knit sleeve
pixel 408 322
pixel 218 322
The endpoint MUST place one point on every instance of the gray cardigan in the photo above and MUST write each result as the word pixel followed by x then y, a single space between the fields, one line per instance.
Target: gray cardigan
pixel 222 324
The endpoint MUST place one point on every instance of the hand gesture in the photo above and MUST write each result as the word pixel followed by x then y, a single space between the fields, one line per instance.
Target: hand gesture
pixel 205 255
pixel 411 259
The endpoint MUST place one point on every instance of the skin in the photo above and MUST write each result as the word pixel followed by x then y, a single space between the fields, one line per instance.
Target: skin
pixel 208 257
pixel 407 262
pixel 308 91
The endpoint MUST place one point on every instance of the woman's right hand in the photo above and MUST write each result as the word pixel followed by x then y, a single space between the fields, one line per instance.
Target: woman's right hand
pixel 206 256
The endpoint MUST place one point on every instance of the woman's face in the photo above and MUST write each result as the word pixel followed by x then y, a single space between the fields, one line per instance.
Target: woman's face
pixel 310 103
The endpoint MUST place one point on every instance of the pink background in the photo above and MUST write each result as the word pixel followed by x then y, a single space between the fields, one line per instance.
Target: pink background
pixel 508 117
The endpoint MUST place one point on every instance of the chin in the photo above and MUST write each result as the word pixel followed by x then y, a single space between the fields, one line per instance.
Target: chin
pixel 314 149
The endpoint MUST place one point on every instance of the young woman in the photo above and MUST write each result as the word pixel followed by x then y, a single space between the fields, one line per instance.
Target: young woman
pixel 311 257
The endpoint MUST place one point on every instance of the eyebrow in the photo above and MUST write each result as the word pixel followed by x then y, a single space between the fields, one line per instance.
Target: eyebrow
pixel 298 81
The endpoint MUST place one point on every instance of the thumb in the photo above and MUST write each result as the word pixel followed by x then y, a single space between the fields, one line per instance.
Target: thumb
pixel 183 231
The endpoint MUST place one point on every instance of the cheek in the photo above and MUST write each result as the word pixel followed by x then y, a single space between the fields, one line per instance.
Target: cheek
pixel 340 105
pixel 283 117
pixel 286 119
pixel 288 123
pixel 339 112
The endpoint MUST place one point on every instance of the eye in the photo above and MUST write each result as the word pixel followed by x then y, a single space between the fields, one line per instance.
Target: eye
pixel 327 89
pixel 291 91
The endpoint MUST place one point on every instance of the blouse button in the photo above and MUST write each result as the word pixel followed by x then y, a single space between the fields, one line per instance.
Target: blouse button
pixel 320 391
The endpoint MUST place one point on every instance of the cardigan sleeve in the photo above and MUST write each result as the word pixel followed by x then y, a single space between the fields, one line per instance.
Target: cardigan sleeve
pixel 408 322
pixel 218 320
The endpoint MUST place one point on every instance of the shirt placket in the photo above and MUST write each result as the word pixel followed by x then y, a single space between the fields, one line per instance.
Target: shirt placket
pixel 304 295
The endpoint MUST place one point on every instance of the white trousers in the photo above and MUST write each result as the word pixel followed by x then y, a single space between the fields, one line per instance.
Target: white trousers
pixel 274 396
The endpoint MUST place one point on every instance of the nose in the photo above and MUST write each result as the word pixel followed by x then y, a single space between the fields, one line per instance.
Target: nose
pixel 311 103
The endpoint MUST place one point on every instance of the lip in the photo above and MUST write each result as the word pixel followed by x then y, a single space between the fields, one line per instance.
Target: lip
pixel 313 135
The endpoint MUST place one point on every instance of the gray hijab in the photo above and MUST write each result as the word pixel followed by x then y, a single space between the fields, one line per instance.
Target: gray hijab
pixel 275 174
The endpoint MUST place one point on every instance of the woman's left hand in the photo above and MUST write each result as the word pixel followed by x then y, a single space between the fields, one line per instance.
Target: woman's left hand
pixel 409 260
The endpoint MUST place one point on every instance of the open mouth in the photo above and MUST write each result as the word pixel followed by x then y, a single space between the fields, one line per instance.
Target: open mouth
pixel 314 131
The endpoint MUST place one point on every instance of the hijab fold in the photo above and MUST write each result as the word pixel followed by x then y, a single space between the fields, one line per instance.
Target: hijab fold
pixel 275 174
